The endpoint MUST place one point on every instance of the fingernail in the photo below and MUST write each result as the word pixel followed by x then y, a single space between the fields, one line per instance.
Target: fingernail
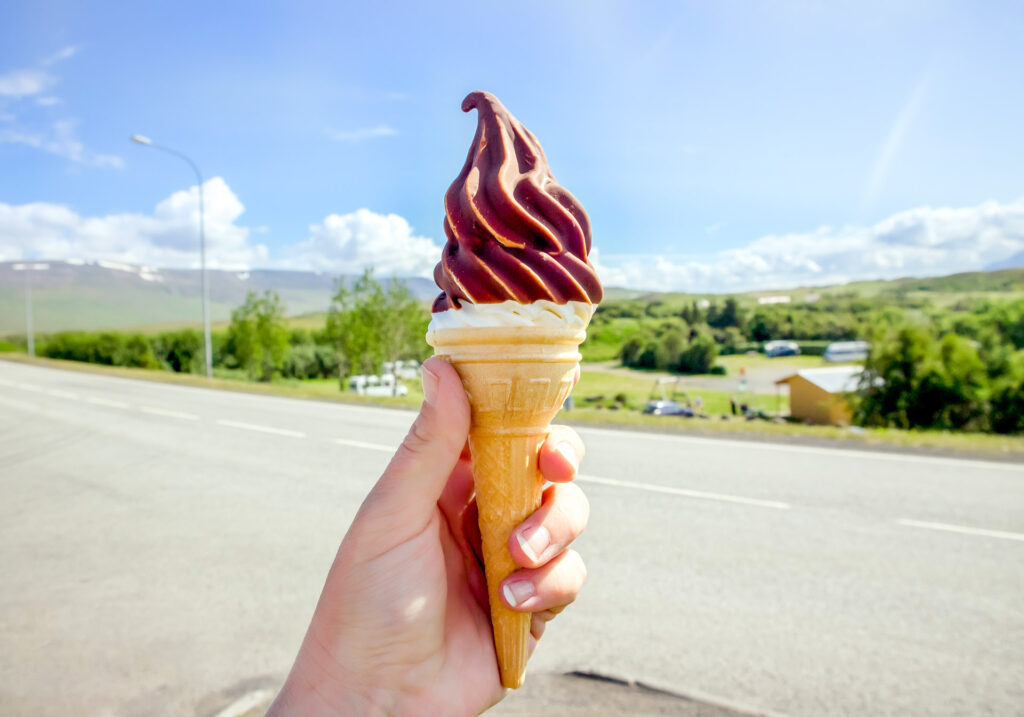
pixel 535 545
pixel 566 449
pixel 517 592
pixel 430 383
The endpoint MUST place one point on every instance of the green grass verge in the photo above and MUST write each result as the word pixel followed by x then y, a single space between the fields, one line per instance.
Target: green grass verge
pixel 591 382
pixel 975 444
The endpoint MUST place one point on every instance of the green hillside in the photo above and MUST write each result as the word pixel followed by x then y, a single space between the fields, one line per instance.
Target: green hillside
pixel 88 297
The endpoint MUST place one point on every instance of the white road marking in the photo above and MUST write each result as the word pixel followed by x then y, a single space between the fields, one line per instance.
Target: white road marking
pixel 262 429
pixel 32 408
pixel 364 444
pixel 870 453
pixel 5 382
pixel 106 402
pixel 1006 535
pixel 684 492
pixel 28 387
pixel 169 414
pixel 64 394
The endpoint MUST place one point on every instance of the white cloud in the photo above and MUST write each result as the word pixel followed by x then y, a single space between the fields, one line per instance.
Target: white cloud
pixel 55 137
pixel 61 139
pixel 25 82
pixel 169 237
pixel 60 55
pixel 358 135
pixel 925 241
pixel 347 243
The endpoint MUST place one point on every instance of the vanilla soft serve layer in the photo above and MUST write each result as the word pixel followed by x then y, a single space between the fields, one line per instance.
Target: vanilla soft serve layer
pixel 546 314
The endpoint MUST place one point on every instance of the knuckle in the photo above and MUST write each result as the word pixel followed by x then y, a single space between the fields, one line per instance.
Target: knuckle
pixel 416 440
pixel 572 508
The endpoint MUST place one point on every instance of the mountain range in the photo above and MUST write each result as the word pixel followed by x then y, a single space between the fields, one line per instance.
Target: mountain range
pixel 105 295
pixel 96 295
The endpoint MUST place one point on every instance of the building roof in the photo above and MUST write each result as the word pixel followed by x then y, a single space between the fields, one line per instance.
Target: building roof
pixel 834 379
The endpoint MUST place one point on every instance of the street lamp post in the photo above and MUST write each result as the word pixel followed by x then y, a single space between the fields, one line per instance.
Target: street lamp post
pixel 29 328
pixel 207 346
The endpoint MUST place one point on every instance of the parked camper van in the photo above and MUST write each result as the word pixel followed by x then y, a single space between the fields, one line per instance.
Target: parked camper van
pixel 847 351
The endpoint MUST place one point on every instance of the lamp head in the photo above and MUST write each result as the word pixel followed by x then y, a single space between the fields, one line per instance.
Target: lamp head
pixel 141 139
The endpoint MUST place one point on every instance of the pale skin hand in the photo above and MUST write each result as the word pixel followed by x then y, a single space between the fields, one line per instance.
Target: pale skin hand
pixel 402 626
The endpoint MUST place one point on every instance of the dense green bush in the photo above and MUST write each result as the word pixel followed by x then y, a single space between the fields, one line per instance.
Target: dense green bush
pixel 916 378
pixel 310 361
pixel 179 351
pixel 698 357
pixel 108 348
pixel 672 345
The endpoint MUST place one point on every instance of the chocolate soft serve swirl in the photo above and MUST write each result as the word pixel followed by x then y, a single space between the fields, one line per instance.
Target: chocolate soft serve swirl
pixel 514 234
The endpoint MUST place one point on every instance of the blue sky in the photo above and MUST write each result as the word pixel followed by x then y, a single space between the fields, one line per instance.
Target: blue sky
pixel 716 146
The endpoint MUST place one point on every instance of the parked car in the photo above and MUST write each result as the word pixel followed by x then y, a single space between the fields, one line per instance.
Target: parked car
pixel 667 408
pixel 774 349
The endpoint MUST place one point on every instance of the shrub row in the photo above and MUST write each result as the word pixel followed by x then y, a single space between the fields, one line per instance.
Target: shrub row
pixel 181 351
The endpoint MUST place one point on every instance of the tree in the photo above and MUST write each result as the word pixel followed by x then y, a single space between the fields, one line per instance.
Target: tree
pixel 402 323
pixel 673 342
pixel 369 323
pixel 258 334
pixel 351 326
pixel 914 380
pixel 631 349
pixel 894 372
pixel 729 315
pixel 692 314
pixel 699 356
pixel 1007 401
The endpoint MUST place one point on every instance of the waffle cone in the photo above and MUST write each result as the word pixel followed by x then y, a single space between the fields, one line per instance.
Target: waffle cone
pixel 516 379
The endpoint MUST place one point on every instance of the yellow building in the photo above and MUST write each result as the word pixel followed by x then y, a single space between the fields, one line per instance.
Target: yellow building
pixel 818 395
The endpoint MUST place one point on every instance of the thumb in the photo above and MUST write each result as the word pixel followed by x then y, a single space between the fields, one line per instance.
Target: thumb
pixel 406 496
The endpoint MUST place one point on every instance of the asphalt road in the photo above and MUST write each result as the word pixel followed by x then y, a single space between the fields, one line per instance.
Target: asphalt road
pixel 163 547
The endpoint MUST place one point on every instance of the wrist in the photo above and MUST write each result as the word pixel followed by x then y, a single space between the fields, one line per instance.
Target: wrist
pixel 314 688
pixel 302 697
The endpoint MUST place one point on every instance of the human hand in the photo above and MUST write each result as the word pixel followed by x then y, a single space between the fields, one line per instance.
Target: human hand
pixel 403 626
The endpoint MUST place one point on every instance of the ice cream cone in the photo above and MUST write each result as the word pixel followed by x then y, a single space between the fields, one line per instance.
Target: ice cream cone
pixel 516 379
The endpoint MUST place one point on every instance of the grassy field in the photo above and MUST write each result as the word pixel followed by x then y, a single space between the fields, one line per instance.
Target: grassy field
pixel 600 390
pixel 596 383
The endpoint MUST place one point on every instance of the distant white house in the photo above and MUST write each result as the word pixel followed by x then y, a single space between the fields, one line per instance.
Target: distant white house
pixel 843 351
pixel 773 300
